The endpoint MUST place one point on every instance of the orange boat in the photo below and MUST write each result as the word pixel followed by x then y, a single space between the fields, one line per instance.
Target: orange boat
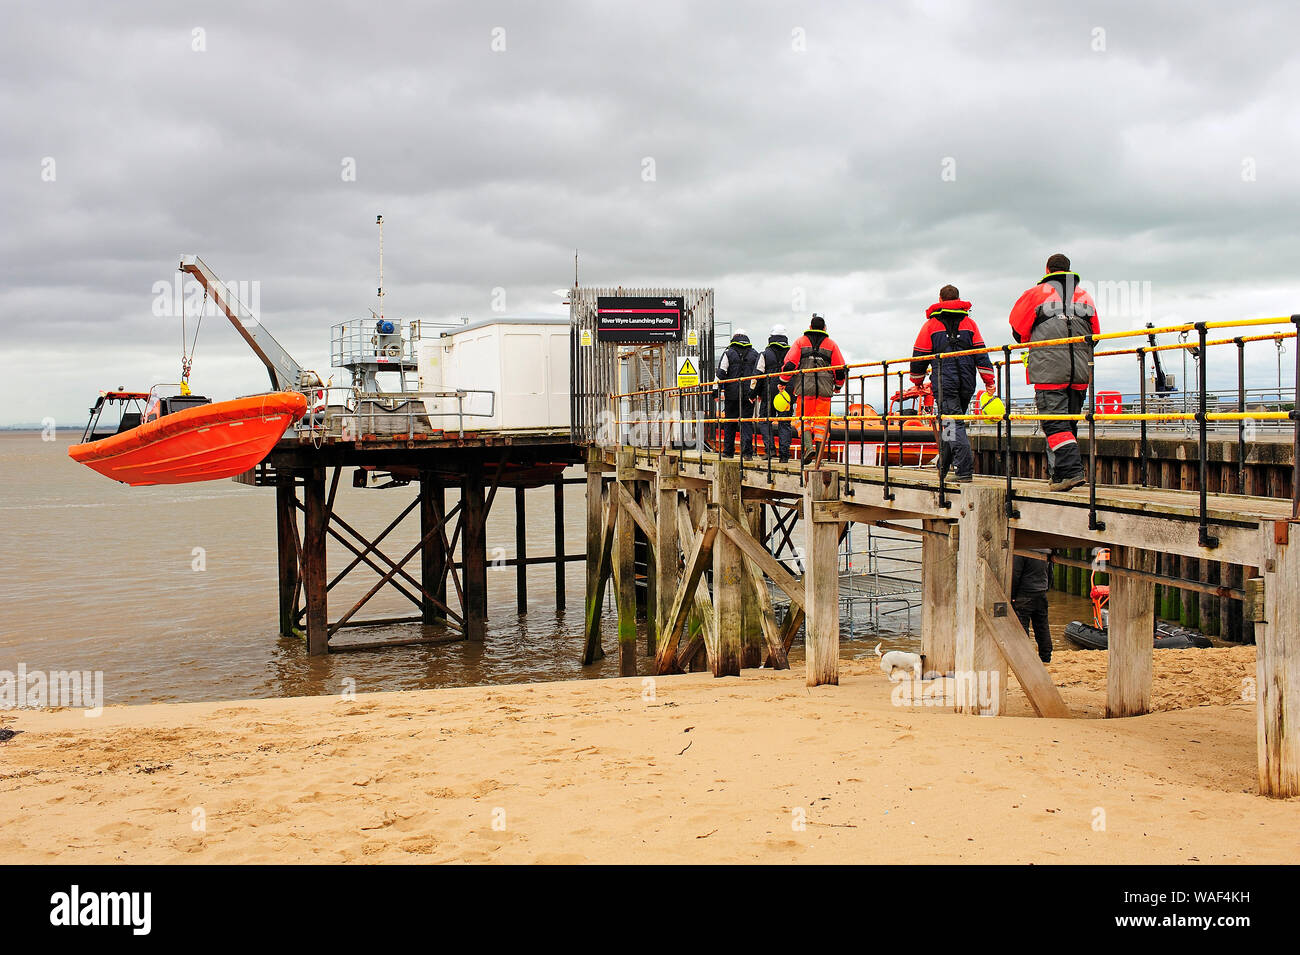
pixel 182 438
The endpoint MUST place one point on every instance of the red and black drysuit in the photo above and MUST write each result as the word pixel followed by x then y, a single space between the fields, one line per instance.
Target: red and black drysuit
pixel 948 327
pixel 820 363
pixel 1058 308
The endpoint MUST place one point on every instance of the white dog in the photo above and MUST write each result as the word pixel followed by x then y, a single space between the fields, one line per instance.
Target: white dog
pixel 896 664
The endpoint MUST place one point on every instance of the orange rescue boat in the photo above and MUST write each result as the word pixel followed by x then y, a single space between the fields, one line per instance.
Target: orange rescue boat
pixel 183 438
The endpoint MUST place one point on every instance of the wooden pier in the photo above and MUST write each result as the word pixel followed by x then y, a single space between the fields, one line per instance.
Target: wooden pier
pixel 696 512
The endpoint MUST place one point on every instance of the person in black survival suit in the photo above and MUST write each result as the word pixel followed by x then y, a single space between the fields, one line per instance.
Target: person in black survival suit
pixel 769 361
pixel 738 362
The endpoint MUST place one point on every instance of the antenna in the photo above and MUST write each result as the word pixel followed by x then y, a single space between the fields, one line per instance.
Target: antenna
pixel 575 269
pixel 379 221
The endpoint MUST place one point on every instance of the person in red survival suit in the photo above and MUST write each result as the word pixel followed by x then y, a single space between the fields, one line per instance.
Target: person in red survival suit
pixel 1058 308
pixel 949 327
pixel 815 363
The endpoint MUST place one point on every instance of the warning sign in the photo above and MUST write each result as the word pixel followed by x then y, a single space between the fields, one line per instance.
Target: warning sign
pixel 693 338
pixel 586 338
pixel 688 371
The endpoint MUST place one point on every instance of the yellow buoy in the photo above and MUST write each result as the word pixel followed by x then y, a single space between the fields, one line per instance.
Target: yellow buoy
pixel 781 401
pixel 991 405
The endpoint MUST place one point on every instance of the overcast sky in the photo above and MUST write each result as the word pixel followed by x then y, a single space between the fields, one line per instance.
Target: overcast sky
pixel 864 153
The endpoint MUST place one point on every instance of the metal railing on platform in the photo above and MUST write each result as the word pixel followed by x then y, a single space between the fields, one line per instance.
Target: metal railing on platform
pixel 348 414
pixel 674 427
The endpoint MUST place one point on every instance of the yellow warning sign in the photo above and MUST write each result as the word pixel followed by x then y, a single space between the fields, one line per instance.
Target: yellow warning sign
pixel 688 372
pixel 586 338
pixel 693 339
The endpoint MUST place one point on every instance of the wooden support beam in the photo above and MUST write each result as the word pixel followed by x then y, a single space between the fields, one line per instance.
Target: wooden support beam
pixel 521 551
pixel 625 564
pixel 983 535
pixel 667 571
pixel 314 563
pixel 994 615
pixel 765 562
pixel 821 582
pixel 629 503
pixel 1130 653
pixel 939 596
pixel 689 515
pixel 597 556
pixel 560 584
pixel 728 592
pixel 840 512
pixel 286 527
pixel 433 559
pixel 696 562
pixel 774 655
pixel 753 645
pixel 1277 662
pixel 473 550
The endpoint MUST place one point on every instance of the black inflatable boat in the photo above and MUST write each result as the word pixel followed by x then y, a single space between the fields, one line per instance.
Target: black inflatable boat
pixel 1166 637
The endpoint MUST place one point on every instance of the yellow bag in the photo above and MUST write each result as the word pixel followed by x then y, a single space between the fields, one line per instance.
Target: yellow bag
pixel 781 401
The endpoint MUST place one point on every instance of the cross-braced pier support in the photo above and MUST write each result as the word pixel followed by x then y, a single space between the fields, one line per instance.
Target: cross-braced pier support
pixel 713 569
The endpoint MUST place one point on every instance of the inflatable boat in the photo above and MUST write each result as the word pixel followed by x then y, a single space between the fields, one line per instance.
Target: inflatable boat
pixel 1166 637
pixel 183 438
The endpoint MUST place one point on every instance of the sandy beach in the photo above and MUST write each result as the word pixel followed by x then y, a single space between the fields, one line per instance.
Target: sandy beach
pixel 751 769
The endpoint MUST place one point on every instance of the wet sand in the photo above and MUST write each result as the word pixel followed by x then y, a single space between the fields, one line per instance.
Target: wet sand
pixel 753 769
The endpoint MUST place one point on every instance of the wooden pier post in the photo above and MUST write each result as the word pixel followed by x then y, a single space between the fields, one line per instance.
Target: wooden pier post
pixel 982 535
pixel 560 584
pixel 666 544
pixel 624 560
pixel 1129 653
pixel 433 556
pixel 521 552
pixel 473 551
pixel 595 547
pixel 753 647
pixel 1277 662
pixel 821 582
pixel 286 526
pixel 729 587
pixel 939 596
pixel 313 563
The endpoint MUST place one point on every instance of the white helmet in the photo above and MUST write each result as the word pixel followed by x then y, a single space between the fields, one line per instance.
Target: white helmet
pixel 777 330
pixel 740 331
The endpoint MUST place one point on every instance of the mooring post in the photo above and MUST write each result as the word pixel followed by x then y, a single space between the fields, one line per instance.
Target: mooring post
pixel 982 535
pixel 625 566
pixel 313 563
pixel 433 556
pixel 1277 661
pixel 939 595
pixel 821 581
pixel 286 522
pixel 666 541
pixel 1132 620
pixel 473 551
pixel 595 546
pixel 728 580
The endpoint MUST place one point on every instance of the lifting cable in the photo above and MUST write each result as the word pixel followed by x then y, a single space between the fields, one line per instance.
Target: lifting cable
pixel 187 359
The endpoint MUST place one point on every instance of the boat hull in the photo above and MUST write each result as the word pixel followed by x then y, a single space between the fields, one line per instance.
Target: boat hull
pixel 206 443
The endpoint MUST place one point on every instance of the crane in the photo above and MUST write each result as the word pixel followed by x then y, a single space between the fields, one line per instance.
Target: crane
pixel 286 373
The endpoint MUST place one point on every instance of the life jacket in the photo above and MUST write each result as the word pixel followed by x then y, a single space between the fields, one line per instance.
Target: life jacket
pixel 772 358
pixel 815 354
pixel 949 328
pixel 742 362
pixel 1067 312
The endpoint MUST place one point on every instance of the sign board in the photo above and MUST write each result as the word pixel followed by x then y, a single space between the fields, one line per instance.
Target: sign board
pixel 638 320
pixel 586 338
pixel 688 372
pixel 693 339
